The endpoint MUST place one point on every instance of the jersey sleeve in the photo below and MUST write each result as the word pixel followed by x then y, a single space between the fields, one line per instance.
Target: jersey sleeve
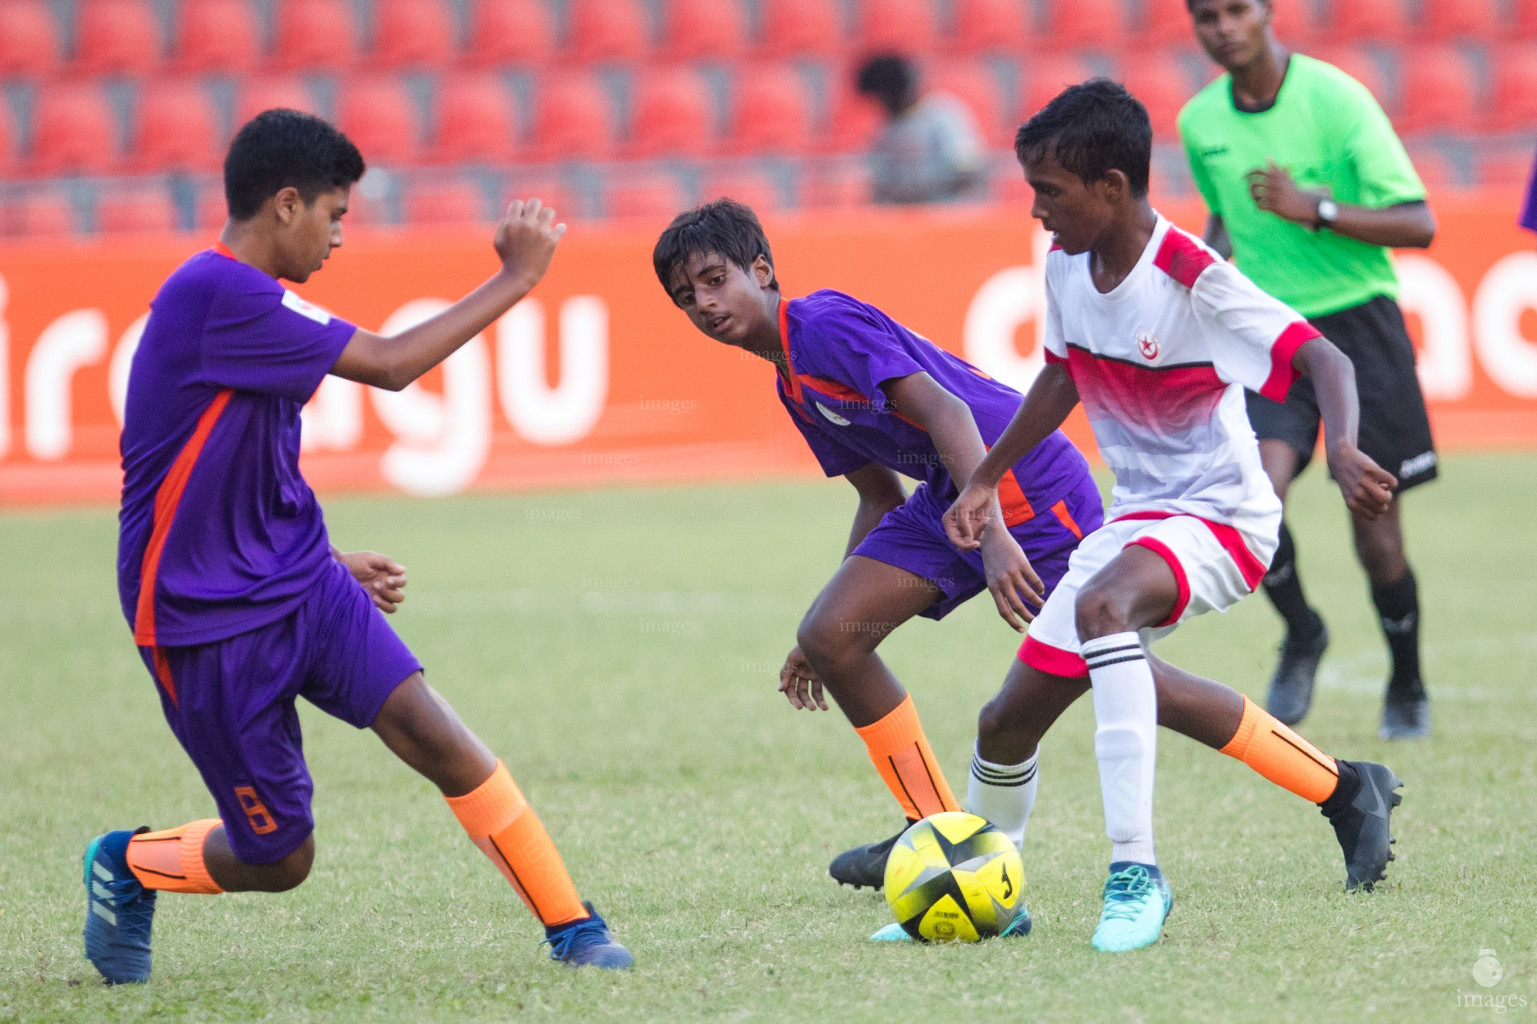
pixel 835 457
pixel 853 345
pixel 1383 168
pixel 1053 341
pixel 1253 336
pixel 1529 207
pixel 270 341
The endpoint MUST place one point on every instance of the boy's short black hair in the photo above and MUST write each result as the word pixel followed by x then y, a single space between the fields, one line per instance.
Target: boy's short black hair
pixel 1092 128
pixel 724 226
pixel 886 74
pixel 281 148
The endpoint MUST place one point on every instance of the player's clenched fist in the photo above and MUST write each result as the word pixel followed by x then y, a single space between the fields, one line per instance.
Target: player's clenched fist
pixel 1367 487
pixel 526 238
pixel 972 511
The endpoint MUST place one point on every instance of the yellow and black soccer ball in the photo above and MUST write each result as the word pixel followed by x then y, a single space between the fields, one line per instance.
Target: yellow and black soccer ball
pixel 954 877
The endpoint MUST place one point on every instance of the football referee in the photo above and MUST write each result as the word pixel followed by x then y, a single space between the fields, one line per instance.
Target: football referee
pixel 1308 188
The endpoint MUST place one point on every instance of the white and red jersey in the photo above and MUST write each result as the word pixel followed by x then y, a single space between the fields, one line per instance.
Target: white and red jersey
pixel 1160 363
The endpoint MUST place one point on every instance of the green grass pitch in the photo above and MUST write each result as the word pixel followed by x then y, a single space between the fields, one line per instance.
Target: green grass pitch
pixel 620 650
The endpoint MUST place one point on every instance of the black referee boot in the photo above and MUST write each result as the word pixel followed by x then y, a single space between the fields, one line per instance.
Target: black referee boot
pixel 1291 688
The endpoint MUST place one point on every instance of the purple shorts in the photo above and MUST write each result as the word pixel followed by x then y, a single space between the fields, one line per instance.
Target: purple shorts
pixel 234 713
pixel 912 537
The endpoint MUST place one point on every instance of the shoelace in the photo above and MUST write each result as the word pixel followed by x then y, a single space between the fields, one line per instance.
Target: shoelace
pixel 561 945
pixel 1123 890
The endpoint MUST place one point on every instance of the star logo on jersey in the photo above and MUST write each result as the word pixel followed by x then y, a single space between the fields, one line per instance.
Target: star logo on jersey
pixel 1147 345
pixel 825 411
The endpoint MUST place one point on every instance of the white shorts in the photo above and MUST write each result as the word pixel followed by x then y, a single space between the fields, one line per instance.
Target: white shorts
pixel 1213 565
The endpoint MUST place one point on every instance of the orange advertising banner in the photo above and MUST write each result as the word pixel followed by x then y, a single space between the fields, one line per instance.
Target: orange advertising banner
pixel 596 378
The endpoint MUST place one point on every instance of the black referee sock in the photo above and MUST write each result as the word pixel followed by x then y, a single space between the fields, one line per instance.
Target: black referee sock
pixel 1398 609
pixel 1284 588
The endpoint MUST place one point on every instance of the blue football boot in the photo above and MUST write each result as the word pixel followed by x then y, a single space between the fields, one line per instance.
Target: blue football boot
pixel 119 911
pixel 1137 900
pixel 587 943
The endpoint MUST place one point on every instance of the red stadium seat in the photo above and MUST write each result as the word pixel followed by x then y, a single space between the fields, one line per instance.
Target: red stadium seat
pixel 1523 18
pixel 548 190
pixel 116 37
pixel 217 35
pixel 1438 174
pixel 1159 80
pixel 836 185
pixel 257 94
pixel 1507 171
pixel 412 33
pixel 986 26
pixel 379 115
pixel 609 30
pixel 476 120
pixel 1045 77
pixel 29 39
pixel 1361 66
pixel 854 119
pixel 136 212
pixel 771 112
pixel 648 195
pixel 1513 101
pixel 974 84
pixel 1367 20
pixel 211 211
pixel 713 31
pixel 1441 20
pixel 510 32
pixel 902 26
pixel 573 118
pixel 38 215
pixel 672 114
pixel 456 202
pixel 796 28
pixel 1292 21
pixel 1164 23
pixel 754 188
pixel 73 131
pixel 176 128
pixel 315 35
pixel 1092 24
pixel 1439 92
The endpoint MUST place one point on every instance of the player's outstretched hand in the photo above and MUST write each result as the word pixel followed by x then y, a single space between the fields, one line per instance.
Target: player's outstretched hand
pixel 966 519
pixel 799 683
pixel 526 238
pixel 1367 487
pixel 382 576
pixel 1011 579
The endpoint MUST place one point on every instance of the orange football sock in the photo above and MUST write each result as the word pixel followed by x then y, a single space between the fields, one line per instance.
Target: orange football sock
pixel 507 830
pixel 902 755
pixel 172 860
pixel 1282 756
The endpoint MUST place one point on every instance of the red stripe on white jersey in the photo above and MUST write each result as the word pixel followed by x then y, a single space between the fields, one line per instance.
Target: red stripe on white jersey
pixel 1182 257
pixel 1282 373
pixel 1158 402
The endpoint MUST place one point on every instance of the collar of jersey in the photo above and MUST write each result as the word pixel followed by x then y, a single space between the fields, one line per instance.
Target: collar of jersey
pixel 784 341
pixel 1120 292
pixel 224 250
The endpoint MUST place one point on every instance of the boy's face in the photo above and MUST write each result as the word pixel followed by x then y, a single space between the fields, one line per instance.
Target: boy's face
pixel 310 232
pixel 724 301
pixel 1232 32
pixel 1076 212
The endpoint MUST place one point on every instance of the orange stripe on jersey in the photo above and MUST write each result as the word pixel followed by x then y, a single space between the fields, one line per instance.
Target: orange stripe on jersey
pixel 787 373
pixel 1066 518
pixel 1011 497
pixel 224 250
pixel 167 498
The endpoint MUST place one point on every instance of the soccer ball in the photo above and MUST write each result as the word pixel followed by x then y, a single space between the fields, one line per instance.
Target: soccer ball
pixel 954 877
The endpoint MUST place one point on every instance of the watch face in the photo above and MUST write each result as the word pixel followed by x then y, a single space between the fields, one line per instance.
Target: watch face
pixel 1328 211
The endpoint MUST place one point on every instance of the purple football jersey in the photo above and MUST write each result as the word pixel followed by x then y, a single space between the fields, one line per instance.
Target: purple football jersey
pixel 841 351
pixel 1529 208
pixel 218 528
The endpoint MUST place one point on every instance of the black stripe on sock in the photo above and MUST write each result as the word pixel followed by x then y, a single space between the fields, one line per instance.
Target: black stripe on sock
pixel 1112 650
pixel 1008 778
pixel 891 759
pixel 514 873
pixel 1329 767
pixel 1106 663
pixel 162 874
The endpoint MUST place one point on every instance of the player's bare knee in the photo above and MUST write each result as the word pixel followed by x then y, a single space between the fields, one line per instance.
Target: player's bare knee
pixel 828 639
pixel 1100 612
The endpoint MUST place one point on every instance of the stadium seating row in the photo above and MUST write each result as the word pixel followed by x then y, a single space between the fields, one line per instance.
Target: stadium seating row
pixel 650 191
pixel 129 37
pixel 466 117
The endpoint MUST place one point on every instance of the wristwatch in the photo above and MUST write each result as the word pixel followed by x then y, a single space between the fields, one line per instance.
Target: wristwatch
pixel 1327 213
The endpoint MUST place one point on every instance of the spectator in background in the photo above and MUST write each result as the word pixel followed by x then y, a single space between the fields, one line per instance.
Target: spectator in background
pixel 930 150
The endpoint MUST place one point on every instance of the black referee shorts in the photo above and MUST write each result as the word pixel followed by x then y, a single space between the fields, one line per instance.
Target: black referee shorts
pixel 1395 430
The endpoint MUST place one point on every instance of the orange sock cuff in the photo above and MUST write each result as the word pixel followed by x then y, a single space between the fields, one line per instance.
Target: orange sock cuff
pixel 1263 743
pixel 491 806
pixel 901 753
pixel 172 860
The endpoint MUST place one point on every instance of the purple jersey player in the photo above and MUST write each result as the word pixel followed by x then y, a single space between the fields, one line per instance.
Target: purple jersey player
pixel 237 600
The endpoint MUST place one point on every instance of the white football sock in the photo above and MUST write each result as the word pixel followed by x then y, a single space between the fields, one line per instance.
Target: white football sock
pixel 1125 741
pixel 1003 794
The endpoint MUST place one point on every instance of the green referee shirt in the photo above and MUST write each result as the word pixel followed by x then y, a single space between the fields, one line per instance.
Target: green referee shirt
pixel 1329 132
